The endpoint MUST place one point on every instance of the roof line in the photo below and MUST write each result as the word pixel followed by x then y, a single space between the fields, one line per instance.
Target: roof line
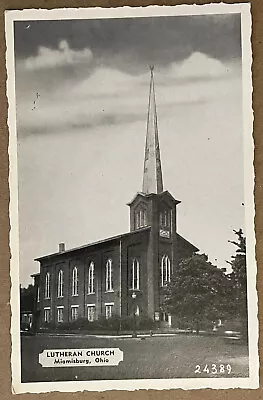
pixel 185 240
pixel 94 243
pixel 153 194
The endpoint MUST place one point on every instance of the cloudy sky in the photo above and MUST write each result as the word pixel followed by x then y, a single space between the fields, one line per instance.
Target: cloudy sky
pixel 82 92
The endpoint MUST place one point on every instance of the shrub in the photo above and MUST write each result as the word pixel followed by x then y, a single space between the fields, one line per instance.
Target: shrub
pixel 114 323
pixel 139 322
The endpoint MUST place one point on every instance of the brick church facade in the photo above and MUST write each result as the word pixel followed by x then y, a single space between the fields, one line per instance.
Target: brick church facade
pixel 121 275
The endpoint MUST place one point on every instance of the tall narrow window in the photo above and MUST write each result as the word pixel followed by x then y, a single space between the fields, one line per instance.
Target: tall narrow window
pixel 47 286
pixel 60 313
pixel 60 283
pixel 109 287
pixel 47 314
pixel 91 312
pixel 38 295
pixel 91 278
pixel 165 218
pixel 161 219
pixel 135 275
pixel 108 310
pixel 165 270
pixel 137 217
pixel 74 313
pixel 141 218
pixel 75 281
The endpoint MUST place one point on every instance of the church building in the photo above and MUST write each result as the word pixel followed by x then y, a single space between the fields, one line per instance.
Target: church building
pixel 124 274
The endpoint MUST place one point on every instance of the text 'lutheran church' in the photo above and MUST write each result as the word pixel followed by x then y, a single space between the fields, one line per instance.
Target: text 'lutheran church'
pixel 124 274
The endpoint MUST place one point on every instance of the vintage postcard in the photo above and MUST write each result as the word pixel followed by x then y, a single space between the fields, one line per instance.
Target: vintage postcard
pixel 132 211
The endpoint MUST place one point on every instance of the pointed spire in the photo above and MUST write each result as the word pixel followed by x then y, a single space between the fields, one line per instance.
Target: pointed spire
pixel 152 174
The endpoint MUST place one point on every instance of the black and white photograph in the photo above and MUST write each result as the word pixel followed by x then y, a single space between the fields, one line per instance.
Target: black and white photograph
pixel 131 198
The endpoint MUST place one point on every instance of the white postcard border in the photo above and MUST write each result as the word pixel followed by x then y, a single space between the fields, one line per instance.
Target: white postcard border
pixel 159 384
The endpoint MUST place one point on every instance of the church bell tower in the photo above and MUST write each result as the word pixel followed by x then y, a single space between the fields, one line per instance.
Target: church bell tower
pixel 155 208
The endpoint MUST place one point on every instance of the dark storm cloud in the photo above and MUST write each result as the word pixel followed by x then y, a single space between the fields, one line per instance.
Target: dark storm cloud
pixel 101 120
pixel 129 43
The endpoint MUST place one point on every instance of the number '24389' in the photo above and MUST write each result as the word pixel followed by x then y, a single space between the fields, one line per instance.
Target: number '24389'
pixel 213 369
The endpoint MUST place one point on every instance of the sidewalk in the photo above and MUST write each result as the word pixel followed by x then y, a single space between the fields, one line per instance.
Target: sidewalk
pixel 161 333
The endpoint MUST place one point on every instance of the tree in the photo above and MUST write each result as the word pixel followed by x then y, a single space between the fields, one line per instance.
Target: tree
pixel 197 291
pixel 27 298
pixel 238 278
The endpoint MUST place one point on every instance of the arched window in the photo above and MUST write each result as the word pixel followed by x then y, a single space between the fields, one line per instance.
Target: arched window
pixel 75 281
pixel 109 287
pixel 135 275
pixel 143 218
pixel 47 286
pixel 60 283
pixel 165 218
pixel 165 270
pixel 137 218
pixel 91 278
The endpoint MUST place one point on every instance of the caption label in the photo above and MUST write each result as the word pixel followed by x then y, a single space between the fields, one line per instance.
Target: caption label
pixel 80 357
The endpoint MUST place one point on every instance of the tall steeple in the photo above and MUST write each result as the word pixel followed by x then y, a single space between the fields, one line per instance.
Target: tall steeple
pixel 152 173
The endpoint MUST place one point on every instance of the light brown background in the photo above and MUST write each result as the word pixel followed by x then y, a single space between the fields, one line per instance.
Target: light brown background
pixel 5 346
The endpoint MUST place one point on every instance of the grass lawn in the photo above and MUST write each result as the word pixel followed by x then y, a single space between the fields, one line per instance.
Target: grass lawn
pixel 152 358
